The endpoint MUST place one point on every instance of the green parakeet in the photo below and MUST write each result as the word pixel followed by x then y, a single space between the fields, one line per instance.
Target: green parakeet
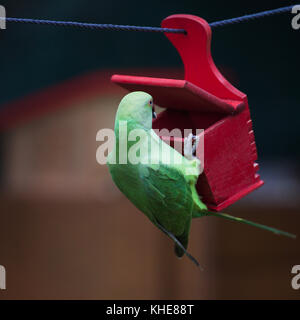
pixel 163 189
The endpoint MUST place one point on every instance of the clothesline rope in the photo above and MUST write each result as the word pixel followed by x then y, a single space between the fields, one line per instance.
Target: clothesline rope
pixel 116 27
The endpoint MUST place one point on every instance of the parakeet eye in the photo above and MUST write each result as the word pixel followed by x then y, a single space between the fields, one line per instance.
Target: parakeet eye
pixel 151 102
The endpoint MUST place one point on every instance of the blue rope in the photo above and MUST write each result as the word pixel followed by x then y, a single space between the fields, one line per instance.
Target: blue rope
pixel 95 25
pixel 245 18
pixel 249 17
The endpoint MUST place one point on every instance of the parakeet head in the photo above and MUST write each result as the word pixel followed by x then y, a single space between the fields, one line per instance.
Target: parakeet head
pixel 137 107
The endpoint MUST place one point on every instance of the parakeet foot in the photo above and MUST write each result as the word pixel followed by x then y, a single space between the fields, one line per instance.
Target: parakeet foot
pixel 190 146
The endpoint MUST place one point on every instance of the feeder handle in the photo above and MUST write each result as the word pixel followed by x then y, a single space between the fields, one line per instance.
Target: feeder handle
pixel 194 48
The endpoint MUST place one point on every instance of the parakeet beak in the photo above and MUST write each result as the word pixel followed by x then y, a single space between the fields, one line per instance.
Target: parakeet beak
pixel 154 116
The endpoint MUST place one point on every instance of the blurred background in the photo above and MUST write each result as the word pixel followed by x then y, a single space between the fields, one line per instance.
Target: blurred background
pixel 66 232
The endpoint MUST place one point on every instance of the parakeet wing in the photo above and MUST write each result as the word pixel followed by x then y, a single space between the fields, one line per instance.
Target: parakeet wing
pixel 168 196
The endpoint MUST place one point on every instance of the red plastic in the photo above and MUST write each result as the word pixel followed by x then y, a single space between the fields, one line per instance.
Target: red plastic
pixel 205 100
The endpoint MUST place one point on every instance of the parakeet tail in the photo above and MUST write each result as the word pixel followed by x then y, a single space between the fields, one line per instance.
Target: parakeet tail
pixel 258 225
pixel 178 249
pixel 178 244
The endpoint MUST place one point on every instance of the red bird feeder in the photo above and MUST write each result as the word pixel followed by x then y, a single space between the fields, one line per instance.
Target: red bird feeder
pixel 205 100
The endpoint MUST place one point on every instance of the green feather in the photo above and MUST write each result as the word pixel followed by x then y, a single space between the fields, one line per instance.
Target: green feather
pixel 254 224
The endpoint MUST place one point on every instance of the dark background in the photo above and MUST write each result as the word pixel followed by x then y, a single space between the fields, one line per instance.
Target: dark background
pixel 263 55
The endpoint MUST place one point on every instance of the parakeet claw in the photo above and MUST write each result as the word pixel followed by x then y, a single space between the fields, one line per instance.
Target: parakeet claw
pixel 195 145
pixel 190 146
pixel 154 115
